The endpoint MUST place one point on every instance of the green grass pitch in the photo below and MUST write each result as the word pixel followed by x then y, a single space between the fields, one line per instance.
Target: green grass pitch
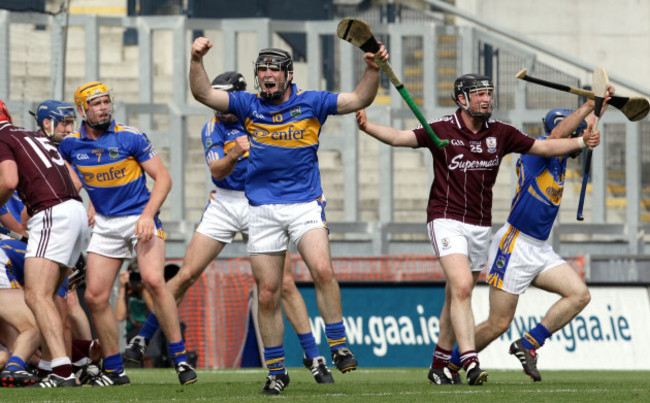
pixel 365 384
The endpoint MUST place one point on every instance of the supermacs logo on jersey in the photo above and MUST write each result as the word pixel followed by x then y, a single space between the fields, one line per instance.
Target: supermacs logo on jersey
pixel 491 143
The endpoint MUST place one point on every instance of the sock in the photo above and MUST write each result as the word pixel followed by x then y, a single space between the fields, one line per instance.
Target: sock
pixel 15 363
pixel 149 327
pixel 62 367
pixel 44 368
pixel 308 344
pixel 177 352
pixel 440 357
pixel 468 358
pixel 114 364
pixel 335 333
pixel 274 359
pixel 536 337
pixel 454 363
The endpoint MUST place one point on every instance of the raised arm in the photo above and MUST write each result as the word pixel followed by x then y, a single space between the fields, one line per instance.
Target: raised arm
pixel 386 134
pixel 556 147
pixel 366 90
pixel 199 81
pixel 569 124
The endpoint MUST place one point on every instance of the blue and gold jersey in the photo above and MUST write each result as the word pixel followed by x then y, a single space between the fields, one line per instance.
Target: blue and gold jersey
pixel 283 161
pixel 14 206
pixel 218 138
pixel 109 168
pixel 539 192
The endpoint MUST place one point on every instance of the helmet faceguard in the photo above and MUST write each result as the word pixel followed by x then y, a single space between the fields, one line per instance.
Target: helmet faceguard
pixel 469 83
pixel 87 93
pixel 554 117
pixel 274 59
pixel 4 113
pixel 229 81
pixel 55 111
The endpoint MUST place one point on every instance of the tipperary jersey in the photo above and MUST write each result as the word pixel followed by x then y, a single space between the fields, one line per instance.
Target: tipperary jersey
pixel 218 138
pixel 14 252
pixel 109 167
pixel 539 193
pixel 283 161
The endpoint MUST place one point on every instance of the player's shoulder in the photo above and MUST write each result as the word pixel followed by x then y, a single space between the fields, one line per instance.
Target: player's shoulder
pixel 127 130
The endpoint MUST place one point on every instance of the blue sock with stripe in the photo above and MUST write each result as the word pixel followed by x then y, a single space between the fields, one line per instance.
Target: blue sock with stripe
pixel 177 352
pixel 536 337
pixel 335 333
pixel 113 363
pixel 275 359
pixel 15 363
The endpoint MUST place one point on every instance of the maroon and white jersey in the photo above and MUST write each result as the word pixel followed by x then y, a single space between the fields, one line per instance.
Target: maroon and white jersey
pixel 466 169
pixel 43 179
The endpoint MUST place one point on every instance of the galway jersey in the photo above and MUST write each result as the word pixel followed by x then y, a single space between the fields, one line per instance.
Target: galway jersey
pixel 537 200
pixel 283 161
pixel 466 169
pixel 218 138
pixel 43 179
pixel 109 167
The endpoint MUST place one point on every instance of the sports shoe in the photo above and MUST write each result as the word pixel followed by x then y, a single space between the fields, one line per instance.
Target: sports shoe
pixel 186 374
pixel 319 369
pixel 475 375
pixel 344 360
pixel 55 381
pixel 110 379
pixel 135 350
pixel 275 384
pixel 17 378
pixel 528 359
pixel 444 376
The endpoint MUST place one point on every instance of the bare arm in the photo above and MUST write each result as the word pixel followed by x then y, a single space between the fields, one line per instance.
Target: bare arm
pixel 569 124
pixel 366 90
pixel 223 167
pixel 556 147
pixel 199 81
pixel 8 221
pixel 145 227
pixel 8 180
pixel 386 134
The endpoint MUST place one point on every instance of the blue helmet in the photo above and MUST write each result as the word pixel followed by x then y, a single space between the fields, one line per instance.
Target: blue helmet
pixel 55 111
pixel 555 116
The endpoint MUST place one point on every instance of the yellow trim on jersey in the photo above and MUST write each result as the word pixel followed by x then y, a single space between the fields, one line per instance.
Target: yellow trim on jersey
pixel 290 135
pixel 547 184
pixel 111 175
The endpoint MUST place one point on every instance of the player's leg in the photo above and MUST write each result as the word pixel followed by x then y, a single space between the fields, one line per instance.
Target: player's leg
pixel 16 313
pixel 314 248
pixel 296 312
pixel 42 278
pixel 563 280
pixel 78 320
pixel 101 273
pixel 151 261
pixel 502 309
pixel 267 271
pixel 200 252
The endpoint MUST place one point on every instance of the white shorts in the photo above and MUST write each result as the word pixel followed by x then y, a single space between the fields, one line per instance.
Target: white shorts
pixel 225 215
pixel 515 259
pixel 58 233
pixel 273 225
pixel 449 237
pixel 115 237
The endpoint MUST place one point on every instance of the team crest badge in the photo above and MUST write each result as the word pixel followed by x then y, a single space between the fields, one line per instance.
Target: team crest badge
pixel 491 143
pixel 445 243
pixel 113 152
pixel 501 262
pixel 295 111
pixel 208 142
